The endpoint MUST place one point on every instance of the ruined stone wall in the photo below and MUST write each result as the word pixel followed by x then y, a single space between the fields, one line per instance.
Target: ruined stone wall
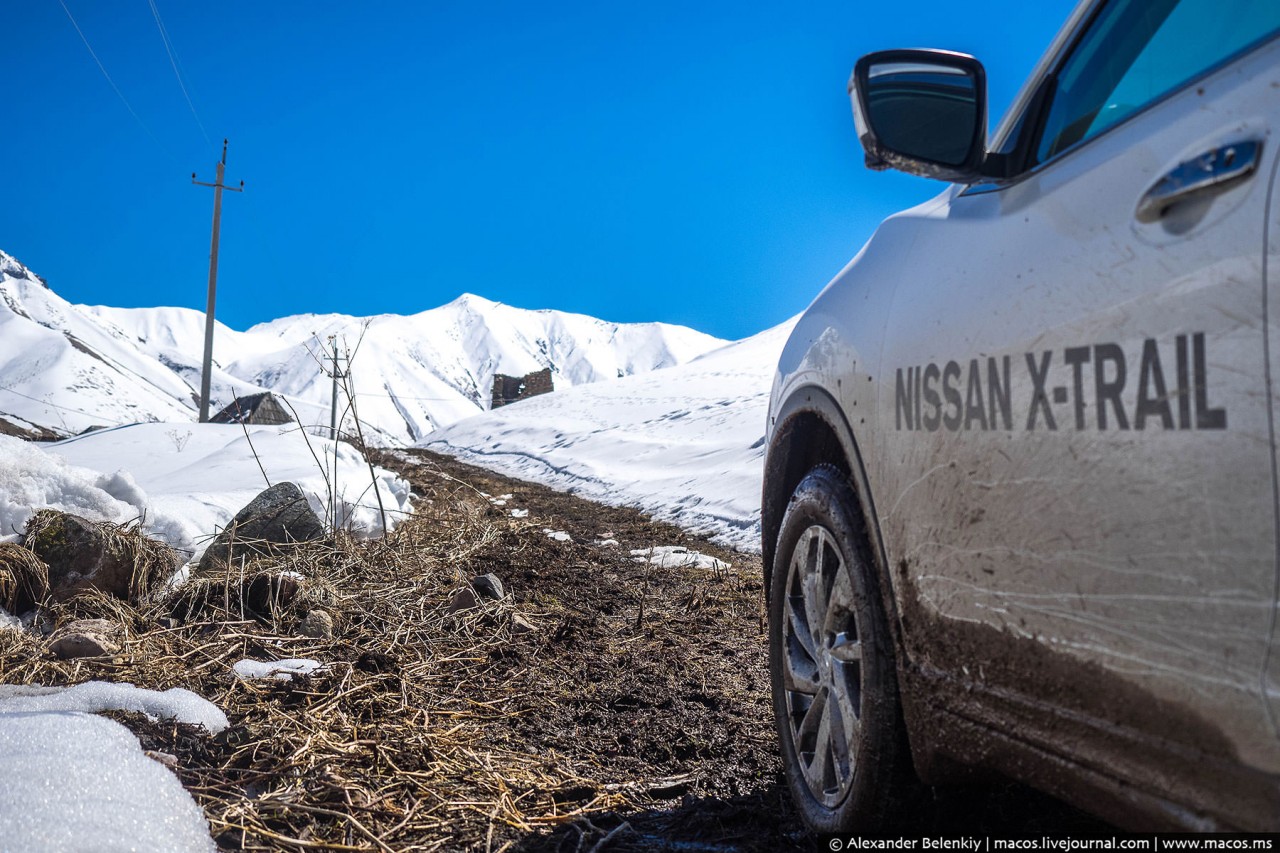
pixel 509 389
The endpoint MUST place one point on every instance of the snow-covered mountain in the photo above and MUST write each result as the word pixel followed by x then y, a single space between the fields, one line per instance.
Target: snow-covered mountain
pixel 66 367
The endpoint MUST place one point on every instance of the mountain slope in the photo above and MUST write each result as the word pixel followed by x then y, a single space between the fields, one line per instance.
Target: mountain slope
pixel 66 367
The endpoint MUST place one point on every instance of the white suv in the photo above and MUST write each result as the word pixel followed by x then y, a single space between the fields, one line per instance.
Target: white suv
pixel 1020 505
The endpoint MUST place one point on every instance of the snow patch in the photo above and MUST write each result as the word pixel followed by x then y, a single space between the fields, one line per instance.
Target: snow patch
pixel 73 781
pixel 678 557
pixel 281 670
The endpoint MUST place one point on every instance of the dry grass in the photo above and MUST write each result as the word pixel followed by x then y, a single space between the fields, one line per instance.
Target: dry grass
pixel 24 578
pixel 430 730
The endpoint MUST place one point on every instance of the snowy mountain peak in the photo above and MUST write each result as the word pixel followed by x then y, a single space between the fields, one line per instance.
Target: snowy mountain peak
pixel 13 268
pixel 67 367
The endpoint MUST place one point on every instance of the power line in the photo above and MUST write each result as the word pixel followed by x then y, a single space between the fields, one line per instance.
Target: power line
pixel 173 61
pixel 47 403
pixel 114 87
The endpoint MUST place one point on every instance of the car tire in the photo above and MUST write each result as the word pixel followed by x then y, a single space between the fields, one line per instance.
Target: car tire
pixel 831 663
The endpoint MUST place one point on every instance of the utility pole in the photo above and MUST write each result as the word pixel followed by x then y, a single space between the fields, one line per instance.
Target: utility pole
pixel 218 187
pixel 333 408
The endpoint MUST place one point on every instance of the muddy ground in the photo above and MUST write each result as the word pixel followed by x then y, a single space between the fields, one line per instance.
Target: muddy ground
pixel 603 704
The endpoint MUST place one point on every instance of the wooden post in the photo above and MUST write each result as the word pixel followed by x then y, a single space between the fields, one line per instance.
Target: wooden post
pixel 218 187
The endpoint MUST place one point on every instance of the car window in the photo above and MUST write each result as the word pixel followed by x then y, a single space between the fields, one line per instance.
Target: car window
pixel 1136 51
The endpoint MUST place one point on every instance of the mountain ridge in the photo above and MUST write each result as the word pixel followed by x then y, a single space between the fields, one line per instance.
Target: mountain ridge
pixel 65 367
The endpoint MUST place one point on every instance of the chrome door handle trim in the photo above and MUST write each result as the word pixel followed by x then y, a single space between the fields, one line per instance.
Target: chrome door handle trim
pixel 1212 171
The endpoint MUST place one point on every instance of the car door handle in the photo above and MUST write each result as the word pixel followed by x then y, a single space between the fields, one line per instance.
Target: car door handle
pixel 1212 171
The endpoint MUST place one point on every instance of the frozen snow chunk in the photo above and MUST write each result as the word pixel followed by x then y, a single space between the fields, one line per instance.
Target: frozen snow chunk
pixel 281 670
pixel 72 781
pixel 558 535
pixel 519 513
pixel 8 620
pixel 606 543
pixel 678 557
pixel 93 696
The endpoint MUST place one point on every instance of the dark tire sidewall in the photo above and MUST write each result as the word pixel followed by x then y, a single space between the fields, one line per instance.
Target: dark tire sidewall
pixel 825 498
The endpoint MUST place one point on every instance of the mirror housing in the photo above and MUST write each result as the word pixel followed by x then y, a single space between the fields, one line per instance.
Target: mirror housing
pixel 923 112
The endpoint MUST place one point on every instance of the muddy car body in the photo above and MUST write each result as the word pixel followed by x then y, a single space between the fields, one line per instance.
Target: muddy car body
pixel 1020 507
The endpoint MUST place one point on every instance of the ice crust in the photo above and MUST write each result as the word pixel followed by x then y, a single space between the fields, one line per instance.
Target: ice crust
pixel 677 557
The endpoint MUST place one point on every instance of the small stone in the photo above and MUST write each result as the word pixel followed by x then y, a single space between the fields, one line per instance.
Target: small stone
pixel 168 623
pixel 167 759
pixel 317 624
pixel 85 638
pixel 488 586
pixel 521 625
pixel 463 599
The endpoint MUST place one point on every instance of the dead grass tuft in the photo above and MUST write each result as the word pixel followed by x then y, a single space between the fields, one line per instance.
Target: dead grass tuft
pixel 24 579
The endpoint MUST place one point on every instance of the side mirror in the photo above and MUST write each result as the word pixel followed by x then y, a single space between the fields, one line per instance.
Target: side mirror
pixel 922 111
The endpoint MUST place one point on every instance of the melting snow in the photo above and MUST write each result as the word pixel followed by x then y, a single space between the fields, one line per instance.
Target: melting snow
pixel 281 670
pixel 684 443
pixel 677 557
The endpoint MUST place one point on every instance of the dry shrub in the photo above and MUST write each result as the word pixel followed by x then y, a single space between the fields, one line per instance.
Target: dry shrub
pixel 148 563
pixel 24 578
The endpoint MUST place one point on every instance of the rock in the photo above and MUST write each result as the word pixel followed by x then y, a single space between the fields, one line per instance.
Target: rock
pixel 168 759
pixel 83 554
pixel 317 624
pixel 521 625
pixel 275 519
pixel 488 586
pixel 85 638
pixel 463 599
pixel 24 578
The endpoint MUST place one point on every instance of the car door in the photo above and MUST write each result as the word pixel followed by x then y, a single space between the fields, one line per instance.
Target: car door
pixel 1075 474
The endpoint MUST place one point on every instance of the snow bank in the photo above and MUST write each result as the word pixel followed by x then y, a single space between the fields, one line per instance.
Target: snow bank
pixel 31 479
pixel 72 781
pixel 93 696
pixel 191 479
pixel 685 444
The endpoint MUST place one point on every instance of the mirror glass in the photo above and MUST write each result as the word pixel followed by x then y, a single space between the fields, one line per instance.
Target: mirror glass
pixel 923 110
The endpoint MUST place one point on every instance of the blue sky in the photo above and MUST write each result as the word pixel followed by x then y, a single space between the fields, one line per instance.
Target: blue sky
pixel 687 162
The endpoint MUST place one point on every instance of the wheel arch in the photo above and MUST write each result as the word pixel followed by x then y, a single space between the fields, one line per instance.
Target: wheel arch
pixel 811 430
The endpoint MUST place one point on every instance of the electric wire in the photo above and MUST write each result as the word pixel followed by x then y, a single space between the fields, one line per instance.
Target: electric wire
pixel 45 403
pixel 114 87
pixel 173 61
